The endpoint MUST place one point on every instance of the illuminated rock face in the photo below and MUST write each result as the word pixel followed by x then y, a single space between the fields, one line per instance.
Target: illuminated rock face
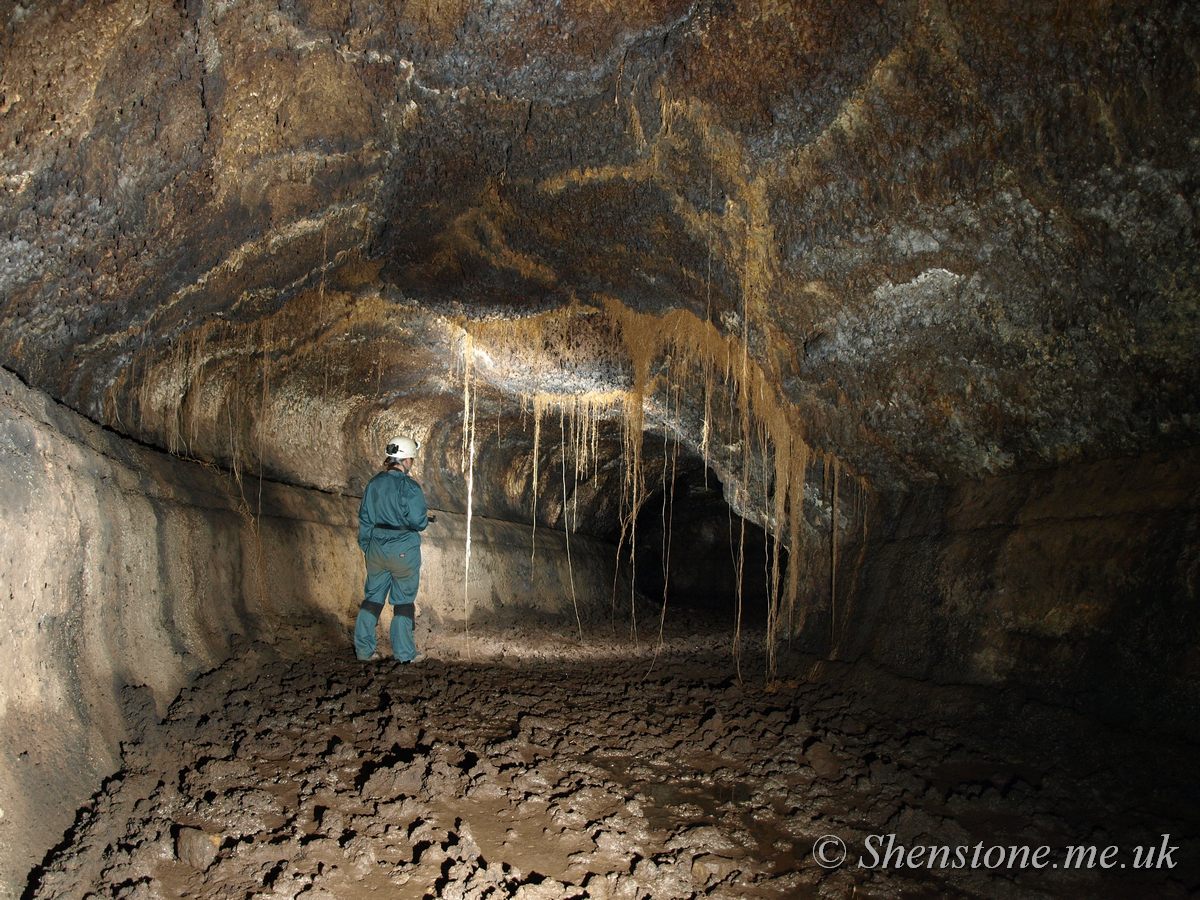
pixel 958 240
pixel 897 272
pixel 838 253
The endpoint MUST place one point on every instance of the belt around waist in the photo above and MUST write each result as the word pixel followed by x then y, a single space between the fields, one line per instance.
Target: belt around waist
pixel 392 527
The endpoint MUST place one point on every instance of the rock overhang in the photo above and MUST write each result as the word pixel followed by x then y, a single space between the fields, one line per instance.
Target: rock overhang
pixel 953 242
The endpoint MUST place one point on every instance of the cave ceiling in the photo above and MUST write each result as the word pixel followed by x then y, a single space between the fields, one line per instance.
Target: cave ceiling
pixel 949 239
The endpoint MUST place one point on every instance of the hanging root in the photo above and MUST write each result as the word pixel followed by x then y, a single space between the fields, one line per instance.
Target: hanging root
pixel 537 434
pixel 566 522
pixel 469 411
pixel 672 354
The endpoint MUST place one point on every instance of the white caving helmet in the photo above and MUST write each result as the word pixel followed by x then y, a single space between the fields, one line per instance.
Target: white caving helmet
pixel 399 448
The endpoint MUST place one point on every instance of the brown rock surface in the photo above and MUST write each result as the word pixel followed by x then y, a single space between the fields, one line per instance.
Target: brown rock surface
pixel 196 848
pixel 958 240
pixel 914 282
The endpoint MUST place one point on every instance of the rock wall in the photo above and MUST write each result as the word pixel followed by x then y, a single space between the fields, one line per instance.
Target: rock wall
pixel 1077 586
pixel 124 572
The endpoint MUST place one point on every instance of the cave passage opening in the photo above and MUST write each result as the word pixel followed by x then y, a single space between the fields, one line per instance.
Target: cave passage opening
pixel 695 553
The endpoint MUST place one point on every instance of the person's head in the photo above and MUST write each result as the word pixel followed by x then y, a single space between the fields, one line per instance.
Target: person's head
pixel 401 451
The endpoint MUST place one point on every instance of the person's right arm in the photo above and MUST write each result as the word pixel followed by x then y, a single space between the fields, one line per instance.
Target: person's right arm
pixel 417 511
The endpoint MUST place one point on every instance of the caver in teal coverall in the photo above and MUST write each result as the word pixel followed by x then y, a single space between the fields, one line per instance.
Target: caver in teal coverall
pixel 390 521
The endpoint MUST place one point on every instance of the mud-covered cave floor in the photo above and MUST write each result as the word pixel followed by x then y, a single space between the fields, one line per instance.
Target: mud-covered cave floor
pixel 517 762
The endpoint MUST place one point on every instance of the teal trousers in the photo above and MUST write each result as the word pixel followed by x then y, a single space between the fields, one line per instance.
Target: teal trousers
pixel 393 576
pixel 400 632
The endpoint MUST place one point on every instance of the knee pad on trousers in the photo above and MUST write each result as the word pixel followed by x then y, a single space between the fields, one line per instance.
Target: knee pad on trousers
pixel 403 609
pixel 375 609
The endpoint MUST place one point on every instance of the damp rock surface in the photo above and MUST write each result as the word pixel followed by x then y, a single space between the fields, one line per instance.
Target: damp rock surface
pixel 527 765
pixel 959 239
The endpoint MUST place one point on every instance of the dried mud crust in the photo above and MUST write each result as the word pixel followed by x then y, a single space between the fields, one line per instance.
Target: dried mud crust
pixel 543 769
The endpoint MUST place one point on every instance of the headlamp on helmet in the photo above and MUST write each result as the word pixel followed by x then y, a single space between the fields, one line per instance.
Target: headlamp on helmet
pixel 399 448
